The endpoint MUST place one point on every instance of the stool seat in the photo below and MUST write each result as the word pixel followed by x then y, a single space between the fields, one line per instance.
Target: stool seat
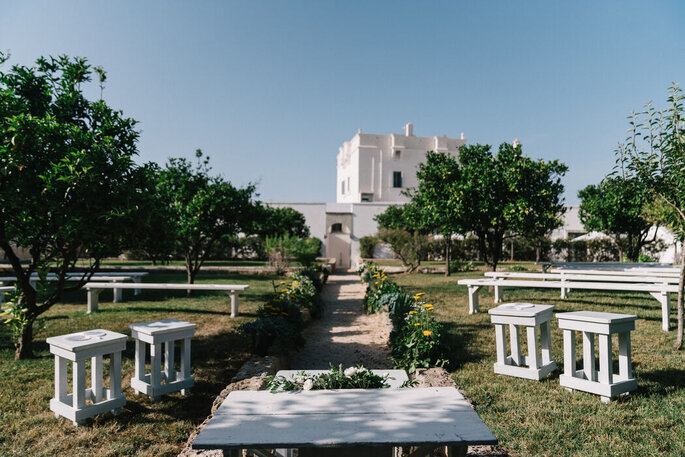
pixel 532 317
pixel 603 382
pixel 78 348
pixel 155 334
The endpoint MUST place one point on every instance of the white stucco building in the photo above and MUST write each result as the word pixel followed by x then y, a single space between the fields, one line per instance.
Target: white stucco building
pixel 372 172
pixel 378 168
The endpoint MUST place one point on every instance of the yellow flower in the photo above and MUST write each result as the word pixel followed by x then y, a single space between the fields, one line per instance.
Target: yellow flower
pixel 428 305
pixel 417 324
pixel 418 296
pixel 283 282
pixel 297 283
pixel 375 282
pixel 412 312
pixel 427 333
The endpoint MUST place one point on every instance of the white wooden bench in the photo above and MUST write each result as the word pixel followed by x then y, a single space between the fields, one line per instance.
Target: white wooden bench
pixel 3 290
pixel 660 291
pixel 117 295
pixel 94 288
pixel 565 276
pixel 610 266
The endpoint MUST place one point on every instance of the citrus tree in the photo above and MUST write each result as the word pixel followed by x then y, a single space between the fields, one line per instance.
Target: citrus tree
pixel 654 154
pixel 69 188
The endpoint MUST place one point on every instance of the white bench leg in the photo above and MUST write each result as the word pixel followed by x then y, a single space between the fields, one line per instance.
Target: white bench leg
pixel 117 295
pixel 473 299
pixel 501 344
pixel 569 354
pixel 93 299
pixel 137 280
pixel 498 294
pixel 79 386
pixel 665 299
pixel 234 302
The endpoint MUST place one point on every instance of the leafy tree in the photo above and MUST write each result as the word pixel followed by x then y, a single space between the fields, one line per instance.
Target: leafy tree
pixel 400 227
pixel 437 177
pixel 205 211
pixel 617 206
pixel 654 154
pixel 272 221
pixel 69 185
pixel 504 195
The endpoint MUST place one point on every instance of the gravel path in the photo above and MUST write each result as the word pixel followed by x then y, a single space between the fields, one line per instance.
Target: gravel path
pixel 345 335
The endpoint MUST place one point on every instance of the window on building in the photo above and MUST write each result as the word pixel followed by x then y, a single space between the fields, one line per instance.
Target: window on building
pixel 342 187
pixel 348 185
pixel 367 197
pixel 396 179
pixel 336 228
pixel 396 153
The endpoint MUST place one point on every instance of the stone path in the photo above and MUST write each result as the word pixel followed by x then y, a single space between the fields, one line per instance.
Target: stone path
pixel 345 334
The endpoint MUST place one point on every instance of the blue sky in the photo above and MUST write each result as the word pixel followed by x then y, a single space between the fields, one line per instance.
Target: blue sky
pixel 271 89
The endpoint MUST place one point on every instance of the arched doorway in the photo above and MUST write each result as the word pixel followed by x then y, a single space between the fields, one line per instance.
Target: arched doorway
pixel 338 245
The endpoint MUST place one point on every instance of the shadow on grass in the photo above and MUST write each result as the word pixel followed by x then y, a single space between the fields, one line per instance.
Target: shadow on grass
pixel 660 382
pixel 455 337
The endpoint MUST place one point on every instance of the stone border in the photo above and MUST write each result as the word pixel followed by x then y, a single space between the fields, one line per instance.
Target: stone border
pixel 251 376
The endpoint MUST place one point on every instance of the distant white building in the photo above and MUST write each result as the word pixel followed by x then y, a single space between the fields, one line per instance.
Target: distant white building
pixel 378 168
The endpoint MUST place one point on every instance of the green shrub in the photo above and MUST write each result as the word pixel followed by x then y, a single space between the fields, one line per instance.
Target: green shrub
pixel 306 250
pixel 458 265
pixel 367 244
pixel 272 331
pixel 351 378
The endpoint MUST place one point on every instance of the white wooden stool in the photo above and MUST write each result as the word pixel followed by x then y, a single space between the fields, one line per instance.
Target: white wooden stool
pixel 604 382
pixel 531 317
pixel 154 334
pixel 78 348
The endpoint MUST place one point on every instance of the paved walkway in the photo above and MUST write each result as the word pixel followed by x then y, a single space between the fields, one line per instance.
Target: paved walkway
pixel 345 334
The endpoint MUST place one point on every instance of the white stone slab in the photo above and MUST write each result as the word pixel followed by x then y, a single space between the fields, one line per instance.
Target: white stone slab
pixel 325 418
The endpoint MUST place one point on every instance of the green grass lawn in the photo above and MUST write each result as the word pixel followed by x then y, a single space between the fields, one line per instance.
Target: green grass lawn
pixel 541 418
pixel 143 428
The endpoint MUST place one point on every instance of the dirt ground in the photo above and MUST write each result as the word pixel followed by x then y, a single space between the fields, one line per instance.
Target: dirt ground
pixel 345 335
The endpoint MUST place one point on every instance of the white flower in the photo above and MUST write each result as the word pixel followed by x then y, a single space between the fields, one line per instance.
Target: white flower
pixel 386 374
pixel 349 372
pixel 308 384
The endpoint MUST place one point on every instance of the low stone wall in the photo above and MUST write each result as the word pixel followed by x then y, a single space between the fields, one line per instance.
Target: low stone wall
pixel 251 376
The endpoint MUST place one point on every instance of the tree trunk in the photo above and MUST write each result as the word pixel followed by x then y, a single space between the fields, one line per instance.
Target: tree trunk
pixel 511 253
pixel 191 279
pixel 679 334
pixel 538 252
pixel 448 252
pixel 25 344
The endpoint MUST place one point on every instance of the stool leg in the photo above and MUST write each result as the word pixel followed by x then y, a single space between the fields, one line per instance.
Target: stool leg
pixel 545 343
pixel 79 394
pixel 155 368
pixel 569 354
pixel 498 294
pixel 140 362
pixel 115 378
pixel 606 375
pixel 589 356
pixel 60 380
pixel 515 344
pixel 533 359
pixel 624 364
pixel 96 377
pixel 169 370
pixel 500 344
pixel 185 363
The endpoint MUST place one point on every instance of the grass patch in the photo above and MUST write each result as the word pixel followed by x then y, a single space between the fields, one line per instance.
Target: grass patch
pixel 143 428
pixel 541 418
